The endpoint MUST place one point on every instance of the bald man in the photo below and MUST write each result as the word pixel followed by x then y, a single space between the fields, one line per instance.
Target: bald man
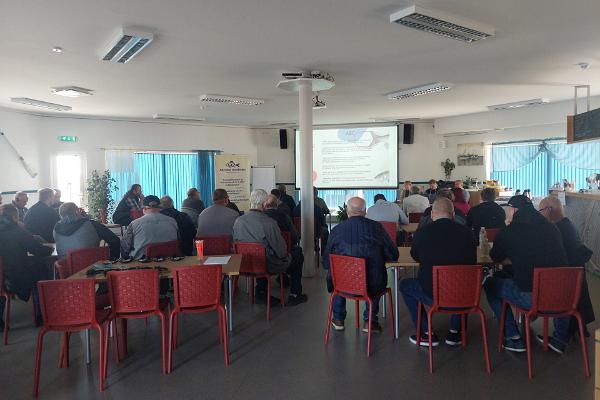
pixel 442 242
pixel 41 217
pixel 364 238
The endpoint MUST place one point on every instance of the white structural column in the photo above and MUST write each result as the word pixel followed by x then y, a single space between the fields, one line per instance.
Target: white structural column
pixel 306 182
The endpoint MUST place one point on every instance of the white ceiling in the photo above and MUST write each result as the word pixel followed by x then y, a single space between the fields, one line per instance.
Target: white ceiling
pixel 241 47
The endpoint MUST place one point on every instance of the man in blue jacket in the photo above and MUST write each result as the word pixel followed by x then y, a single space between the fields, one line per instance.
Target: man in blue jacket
pixel 364 238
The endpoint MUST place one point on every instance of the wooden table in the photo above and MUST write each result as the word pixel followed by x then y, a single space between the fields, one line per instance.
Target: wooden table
pixel 230 270
pixel 405 260
pixel 409 228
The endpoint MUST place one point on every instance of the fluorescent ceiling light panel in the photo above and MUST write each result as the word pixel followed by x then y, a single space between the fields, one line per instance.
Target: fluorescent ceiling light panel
pixel 419 91
pixel 42 104
pixel 126 44
pixel 72 91
pixel 442 24
pixel 518 104
pixel 178 118
pixel 222 99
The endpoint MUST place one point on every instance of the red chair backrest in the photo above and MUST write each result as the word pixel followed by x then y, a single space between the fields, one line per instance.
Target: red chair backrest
pixel 254 257
pixel 67 302
pixel 197 286
pixel 287 236
pixel 62 269
pixel 391 229
pixel 556 290
pixel 491 233
pixel 134 290
pixel 163 249
pixel 81 258
pixel 214 245
pixel 457 286
pixel 135 214
pixel 349 274
pixel 298 224
pixel 415 217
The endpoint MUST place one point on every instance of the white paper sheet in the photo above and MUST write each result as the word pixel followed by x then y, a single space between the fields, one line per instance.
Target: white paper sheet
pixel 217 260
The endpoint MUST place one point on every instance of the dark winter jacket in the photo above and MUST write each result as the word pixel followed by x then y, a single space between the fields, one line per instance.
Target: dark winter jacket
pixel 40 220
pixel 487 215
pixel 79 233
pixel 186 227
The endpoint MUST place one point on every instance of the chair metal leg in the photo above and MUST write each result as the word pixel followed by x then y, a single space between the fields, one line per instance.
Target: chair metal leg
pixel 223 328
pixel 329 312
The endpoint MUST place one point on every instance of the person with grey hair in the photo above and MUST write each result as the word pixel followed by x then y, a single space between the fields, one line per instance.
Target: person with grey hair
pixel 187 230
pixel 20 202
pixel 41 217
pixel 415 202
pixel 442 242
pixel 360 237
pixel 74 231
pixel 256 227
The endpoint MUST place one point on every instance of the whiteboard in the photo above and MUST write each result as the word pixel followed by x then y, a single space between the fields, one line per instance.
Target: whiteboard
pixel 263 177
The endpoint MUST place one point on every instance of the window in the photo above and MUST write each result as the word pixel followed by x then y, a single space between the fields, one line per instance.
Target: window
pixel 68 177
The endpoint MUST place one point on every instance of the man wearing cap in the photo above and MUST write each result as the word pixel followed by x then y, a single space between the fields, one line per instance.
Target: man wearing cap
pixel 153 227
pixel 530 241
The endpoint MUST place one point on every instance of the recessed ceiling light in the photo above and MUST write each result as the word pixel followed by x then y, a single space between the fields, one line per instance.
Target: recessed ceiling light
pixel 39 103
pixel 222 99
pixel 72 91
pixel 57 49
pixel 419 91
pixel 518 104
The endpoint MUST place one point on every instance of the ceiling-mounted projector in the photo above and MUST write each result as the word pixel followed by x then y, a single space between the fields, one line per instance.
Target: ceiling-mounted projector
pixel 318 104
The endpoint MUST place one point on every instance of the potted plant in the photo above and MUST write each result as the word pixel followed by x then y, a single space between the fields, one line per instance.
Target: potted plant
pixel 99 189
pixel 342 213
pixel 448 167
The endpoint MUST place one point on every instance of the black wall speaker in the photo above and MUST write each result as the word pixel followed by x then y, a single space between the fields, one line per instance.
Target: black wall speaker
pixel 283 139
pixel 409 134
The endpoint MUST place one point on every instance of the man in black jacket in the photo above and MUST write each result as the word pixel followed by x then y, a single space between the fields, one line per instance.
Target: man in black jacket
pixel 530 241
pixel 193 205
pixel 442 242
pixel 487 214
pixel 187 230
pixel 360 237
pixel 459 216
pixel 41 217
pixel 286 198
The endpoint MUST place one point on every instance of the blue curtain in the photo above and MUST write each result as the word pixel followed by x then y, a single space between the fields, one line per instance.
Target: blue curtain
pixel 532 176
pixel 206 175
pixel 150 170
pixel 512 157
pixel 578 155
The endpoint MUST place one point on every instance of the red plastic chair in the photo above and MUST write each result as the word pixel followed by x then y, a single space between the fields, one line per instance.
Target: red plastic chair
pixel 298 224
pixel 83 258
pixel 63 271
pixel 456 290
pixel 135 214
pixel 555 293
pixel 391 228
pixel 197 290
pixel 134 294
pixel 216 245
pixel 349 276
pixel 491 233
pixel 163 249
pixel 287 236
pixel 69 306
pixel 415 217
pixel 254 266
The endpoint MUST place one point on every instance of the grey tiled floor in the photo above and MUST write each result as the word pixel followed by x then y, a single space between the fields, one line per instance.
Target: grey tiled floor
pixel 286 359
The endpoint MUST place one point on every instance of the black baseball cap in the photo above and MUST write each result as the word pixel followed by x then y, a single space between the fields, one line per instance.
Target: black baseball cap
pixel 151 201
pixel 520 201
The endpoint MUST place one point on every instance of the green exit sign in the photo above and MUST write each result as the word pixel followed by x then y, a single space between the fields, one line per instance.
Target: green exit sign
pixel 67 138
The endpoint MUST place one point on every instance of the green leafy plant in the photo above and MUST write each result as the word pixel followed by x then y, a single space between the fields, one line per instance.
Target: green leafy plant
pixel 448 168
pixel 99 189
pixel 342 213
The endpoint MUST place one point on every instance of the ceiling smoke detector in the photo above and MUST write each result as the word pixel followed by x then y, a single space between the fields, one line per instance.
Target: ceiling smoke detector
pixel 317 103
pixel 518 104
pixel 72 91
pixel 42 104
pixel 442 24
pixel 222 99
pixel 126 44
pixel 419 91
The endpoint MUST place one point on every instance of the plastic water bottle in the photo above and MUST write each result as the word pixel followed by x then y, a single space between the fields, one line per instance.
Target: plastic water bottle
pixel 483 242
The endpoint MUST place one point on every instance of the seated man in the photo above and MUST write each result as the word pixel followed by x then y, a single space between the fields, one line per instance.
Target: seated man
pixel 286 198
pixel 458 184
pixel 21 272
pixel 321 230
pixel 432 191
pixel 295 269
pixel 20 202
pixel 193 206
pixel 319 202
pixel 217 219
pixel 360 237
pixel 41 217
pixel 280 204
pixel 132 201
pixel 74 231
pixel 442 242
pixel 416 202
pixel 256 227
pixel 577 254
pixel 459 216
pixel 385 211
pixel 530 241
pixel 405 191
pixel 487 214
pixel 153 227
pixel 187 230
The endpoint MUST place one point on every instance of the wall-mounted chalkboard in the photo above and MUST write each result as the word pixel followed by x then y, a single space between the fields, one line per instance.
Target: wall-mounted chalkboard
pixel 584 126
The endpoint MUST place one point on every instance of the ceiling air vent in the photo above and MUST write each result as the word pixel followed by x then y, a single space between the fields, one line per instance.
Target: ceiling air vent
pixel 419 91
pixel 126 45
pixel 442 24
